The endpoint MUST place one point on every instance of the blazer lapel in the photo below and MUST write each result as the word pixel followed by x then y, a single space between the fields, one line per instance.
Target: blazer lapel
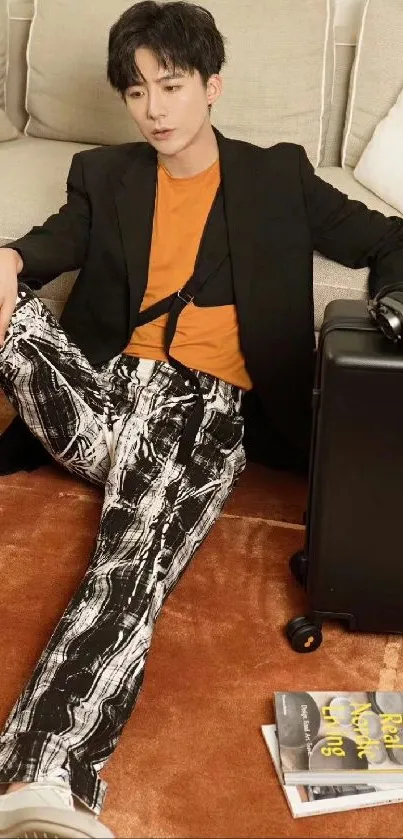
pixel 134 194
pixel 238 179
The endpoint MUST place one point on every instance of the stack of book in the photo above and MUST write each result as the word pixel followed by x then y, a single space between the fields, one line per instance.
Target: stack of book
pixel 337 750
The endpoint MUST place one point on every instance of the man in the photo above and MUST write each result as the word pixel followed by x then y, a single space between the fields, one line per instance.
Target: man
pixel 195 291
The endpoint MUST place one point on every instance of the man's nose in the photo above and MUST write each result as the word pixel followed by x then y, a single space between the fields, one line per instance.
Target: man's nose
pixel 155 107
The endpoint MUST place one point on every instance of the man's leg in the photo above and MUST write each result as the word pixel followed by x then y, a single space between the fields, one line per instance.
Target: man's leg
pixel 156 513
pixel 54 388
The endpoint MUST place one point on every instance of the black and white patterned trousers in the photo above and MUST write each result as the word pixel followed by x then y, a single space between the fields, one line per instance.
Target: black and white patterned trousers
pixel 118 426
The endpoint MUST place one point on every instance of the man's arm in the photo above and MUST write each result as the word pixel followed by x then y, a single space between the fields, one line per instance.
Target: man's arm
pixel 60 243
pixel 348 232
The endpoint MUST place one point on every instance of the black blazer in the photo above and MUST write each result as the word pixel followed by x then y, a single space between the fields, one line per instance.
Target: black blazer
pixel 278 211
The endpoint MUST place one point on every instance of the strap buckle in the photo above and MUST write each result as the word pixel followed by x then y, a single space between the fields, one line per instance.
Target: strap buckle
pixel 188 296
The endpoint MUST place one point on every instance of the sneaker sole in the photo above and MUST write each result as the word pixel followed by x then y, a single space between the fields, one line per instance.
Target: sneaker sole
pixel 31 823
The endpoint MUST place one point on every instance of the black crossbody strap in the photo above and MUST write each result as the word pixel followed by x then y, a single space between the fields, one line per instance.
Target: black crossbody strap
pixel 173 305
pixel 178 299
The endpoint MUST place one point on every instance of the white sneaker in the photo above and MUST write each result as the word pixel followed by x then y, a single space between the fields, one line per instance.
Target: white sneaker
pixel 46 810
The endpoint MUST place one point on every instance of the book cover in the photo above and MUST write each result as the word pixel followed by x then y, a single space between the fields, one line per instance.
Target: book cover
pixel 340 737
pixel 316 800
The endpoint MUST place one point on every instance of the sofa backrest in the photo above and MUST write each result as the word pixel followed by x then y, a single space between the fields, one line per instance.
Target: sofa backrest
pixel 318 126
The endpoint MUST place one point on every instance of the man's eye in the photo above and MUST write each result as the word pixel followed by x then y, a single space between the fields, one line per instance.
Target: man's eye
pixel 170 87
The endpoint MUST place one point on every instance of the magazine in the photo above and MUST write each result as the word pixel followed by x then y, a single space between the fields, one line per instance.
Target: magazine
pixel 314 800
pixel 340 737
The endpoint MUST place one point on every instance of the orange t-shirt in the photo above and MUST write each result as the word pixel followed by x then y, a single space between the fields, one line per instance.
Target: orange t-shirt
pixel 206 337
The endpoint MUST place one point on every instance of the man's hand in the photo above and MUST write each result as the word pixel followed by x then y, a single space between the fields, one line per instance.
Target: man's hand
pixel 10 266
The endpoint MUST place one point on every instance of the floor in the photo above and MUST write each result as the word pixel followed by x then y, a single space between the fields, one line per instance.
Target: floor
pixel 191 761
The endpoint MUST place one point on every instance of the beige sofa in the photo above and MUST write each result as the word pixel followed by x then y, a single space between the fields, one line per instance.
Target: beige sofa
pixel 291 74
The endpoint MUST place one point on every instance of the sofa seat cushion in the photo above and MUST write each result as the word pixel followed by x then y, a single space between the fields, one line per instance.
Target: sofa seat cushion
pixel 33 174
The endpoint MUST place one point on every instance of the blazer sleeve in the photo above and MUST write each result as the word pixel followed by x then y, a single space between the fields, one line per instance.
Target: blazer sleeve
pixel 60 243
pixel 348 232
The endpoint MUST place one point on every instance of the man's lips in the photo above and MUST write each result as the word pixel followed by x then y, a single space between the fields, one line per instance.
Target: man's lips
pixel 163 132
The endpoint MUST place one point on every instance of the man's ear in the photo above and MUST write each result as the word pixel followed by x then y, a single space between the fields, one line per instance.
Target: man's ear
pixel 214 88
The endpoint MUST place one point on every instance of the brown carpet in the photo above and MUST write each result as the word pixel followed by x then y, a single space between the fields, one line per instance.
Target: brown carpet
pixel 191 761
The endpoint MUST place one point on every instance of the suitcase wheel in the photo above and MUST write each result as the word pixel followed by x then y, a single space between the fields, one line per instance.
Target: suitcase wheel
pixel 304 635
pixel 299 567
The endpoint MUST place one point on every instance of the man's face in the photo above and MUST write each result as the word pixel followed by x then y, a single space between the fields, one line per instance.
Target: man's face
pixel 178 103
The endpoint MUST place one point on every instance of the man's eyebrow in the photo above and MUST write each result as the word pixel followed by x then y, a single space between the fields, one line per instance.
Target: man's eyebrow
pixel 162 79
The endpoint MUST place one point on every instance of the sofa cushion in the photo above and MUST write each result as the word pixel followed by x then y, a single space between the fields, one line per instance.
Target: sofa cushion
pixel 344 57
pixel 7 130
pixel 266 98
pixel 20 13
pixel 377 75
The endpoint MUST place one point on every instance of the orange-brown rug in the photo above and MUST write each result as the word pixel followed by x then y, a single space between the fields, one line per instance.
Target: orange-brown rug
pixel 191 761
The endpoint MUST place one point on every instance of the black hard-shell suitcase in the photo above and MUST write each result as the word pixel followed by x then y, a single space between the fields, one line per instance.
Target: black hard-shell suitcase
pixel 352 563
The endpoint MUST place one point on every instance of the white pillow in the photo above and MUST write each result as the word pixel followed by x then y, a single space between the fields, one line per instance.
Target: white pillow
pixel 380 167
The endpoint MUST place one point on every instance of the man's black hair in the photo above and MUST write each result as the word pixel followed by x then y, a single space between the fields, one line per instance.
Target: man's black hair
pixel 181 36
